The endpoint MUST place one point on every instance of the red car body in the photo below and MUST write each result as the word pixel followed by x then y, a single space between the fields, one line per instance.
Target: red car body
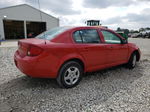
pixel 52 54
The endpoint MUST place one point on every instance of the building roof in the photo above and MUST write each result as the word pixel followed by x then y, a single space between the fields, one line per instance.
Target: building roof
pixel 28 6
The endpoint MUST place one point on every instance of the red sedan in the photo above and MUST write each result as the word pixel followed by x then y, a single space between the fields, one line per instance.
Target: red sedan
pixel 66 53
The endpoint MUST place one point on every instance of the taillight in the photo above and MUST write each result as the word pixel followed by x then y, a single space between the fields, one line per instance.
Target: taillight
pixel 34 50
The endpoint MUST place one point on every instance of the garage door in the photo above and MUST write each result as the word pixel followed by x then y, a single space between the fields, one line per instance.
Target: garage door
pixel 13 29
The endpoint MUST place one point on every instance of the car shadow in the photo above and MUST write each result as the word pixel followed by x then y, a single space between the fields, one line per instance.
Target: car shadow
pixel 25 93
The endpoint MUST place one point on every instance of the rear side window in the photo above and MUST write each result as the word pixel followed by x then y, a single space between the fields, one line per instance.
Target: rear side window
pixel 86 36
pixel 111 38
pixel 77 37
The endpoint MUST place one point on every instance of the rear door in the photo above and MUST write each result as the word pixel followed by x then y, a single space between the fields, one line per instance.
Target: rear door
pixel 89 45
pixel 116 51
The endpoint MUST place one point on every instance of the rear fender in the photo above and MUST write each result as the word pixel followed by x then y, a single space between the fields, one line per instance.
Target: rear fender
pixel 71 57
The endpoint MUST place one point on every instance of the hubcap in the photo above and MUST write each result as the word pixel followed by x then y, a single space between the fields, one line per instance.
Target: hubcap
pixel 134 60
pixel 71 75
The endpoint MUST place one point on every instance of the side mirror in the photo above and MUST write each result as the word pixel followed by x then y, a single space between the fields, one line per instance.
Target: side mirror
pixel 124 41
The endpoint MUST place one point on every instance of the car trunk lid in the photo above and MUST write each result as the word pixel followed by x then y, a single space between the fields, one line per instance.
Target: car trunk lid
pixel 24 45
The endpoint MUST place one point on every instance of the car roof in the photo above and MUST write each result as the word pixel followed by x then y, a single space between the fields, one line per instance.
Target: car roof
pixel 82 27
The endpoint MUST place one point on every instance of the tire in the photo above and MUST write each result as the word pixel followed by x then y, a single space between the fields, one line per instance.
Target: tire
pixel 70 74
pixel 132 61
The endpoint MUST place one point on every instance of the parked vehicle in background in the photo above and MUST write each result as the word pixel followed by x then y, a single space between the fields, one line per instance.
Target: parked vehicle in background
pixel 93 22
pixel 135 35
pixel 129 35
pixel 145 34
pixel 66 53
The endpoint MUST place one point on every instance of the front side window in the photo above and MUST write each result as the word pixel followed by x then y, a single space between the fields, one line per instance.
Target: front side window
pixel 111 38
pixel 86 36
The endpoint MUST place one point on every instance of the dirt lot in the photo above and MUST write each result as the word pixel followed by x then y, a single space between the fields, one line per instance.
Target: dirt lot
pixel 116 89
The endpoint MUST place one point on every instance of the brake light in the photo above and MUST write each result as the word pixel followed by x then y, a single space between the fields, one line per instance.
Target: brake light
pixel 34 50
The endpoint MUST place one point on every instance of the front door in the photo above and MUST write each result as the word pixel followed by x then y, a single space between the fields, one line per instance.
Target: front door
pixel 116 51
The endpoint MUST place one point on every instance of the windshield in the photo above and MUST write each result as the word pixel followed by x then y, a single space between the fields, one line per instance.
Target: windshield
pixel 52 33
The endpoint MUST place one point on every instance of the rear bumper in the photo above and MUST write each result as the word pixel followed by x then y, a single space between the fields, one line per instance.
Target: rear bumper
pixel 33 66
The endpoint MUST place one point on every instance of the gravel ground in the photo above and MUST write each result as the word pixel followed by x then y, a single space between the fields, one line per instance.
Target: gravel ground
pixel 116 89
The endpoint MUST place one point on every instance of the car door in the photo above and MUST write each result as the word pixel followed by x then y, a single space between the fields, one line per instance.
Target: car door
pixel 117 52
pixel 88 44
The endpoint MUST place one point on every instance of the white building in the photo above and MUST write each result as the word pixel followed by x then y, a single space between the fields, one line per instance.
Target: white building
pixel 22 21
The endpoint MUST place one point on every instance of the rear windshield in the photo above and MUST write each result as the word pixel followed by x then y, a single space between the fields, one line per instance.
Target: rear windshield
pixel 52 33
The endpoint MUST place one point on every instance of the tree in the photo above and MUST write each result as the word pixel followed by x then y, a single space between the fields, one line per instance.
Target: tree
pixel 118 29
pixel 126 31
pixel 141 29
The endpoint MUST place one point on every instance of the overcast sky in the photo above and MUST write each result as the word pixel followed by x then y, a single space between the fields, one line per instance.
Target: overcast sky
pixel 131 14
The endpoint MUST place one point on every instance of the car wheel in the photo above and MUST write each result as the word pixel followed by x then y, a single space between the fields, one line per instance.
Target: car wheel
pixel 132 61
pixel 70 74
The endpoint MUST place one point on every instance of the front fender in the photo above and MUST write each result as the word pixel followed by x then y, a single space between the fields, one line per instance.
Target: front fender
pixel 133 48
